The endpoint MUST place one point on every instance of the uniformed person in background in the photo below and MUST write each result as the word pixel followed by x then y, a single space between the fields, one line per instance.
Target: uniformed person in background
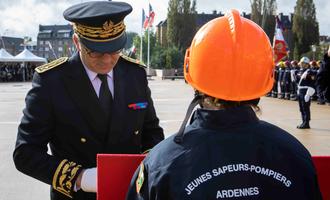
pixel 294 69
pixel 281 80
pixel 287 80
pixel 94 102
pixel 227 152
pixel 276 81
pixel 305 82
pixel 314 68
pixel 323 79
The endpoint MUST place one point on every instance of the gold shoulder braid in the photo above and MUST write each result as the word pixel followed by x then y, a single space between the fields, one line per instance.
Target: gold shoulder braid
pixel 51 65
pixel 65 177
pixel 133 60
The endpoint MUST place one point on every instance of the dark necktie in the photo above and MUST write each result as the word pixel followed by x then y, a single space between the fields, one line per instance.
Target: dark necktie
pixel 105 96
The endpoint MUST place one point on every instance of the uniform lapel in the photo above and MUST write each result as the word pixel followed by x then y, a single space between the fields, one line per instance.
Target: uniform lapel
pixel 83 94
pixel 119 104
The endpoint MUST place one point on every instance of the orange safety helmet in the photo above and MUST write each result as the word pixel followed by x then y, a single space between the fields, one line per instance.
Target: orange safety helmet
pixel 230 58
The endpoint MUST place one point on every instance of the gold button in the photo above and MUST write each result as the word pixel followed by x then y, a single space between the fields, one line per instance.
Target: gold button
pixel 83 140
pixel 136 132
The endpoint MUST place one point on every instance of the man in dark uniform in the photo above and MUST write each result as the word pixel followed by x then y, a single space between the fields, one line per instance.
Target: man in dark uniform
pixel 305 81
pixel 276 81
pixel 281 80
pixel 294 69
pixel 314 67
pixel 323 79
pixel 94 102
pixel 287 80
pixel 227 152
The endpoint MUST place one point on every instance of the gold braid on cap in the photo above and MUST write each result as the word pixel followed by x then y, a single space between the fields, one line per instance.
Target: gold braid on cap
pixel 109 31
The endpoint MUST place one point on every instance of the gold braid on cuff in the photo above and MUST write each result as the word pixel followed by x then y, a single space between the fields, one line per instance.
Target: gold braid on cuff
pixel 65 177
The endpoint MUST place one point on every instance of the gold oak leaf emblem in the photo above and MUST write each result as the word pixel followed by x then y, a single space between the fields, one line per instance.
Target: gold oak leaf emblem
pixel 108 25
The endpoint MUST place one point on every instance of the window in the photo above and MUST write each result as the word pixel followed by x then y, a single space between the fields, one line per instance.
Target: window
pixel 46 48
pixel 60 42
pixel 60 49
pixel 41 42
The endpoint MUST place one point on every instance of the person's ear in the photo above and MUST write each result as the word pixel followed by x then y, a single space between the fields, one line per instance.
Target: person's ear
pixel 76 42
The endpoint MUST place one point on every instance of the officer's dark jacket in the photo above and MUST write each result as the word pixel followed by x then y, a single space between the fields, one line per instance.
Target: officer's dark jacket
pixel 227 154
pixel 62 110
pixel 323 78
pixel 309 81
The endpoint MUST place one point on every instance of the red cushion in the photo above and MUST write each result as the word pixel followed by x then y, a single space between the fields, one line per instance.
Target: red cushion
pixel 114 173
pixel 322 165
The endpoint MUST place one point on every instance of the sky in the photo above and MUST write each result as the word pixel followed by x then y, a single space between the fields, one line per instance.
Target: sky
pixel 21 18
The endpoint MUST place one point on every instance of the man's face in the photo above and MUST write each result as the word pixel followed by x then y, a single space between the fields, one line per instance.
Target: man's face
pixel 101 63
pixel 304 65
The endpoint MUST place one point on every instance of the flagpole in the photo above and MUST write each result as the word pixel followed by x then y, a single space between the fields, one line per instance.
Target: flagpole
pixel 141 42
pixel 148 62
pixel 148 47
pixel 141 46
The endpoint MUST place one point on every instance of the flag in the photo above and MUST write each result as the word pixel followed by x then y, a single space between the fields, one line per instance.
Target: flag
pixel 133 49
pixel 279 45
pixel 151 16
pixel 143 18
pixel 132 52
pixel 146 22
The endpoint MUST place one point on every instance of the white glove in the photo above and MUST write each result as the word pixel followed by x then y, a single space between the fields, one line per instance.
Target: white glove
pixel 310 91
pixel 293 75
pixel 307 98
pixel 88 180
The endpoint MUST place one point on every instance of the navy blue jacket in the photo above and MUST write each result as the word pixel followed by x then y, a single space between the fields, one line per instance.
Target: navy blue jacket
pixel 309 81
pixel 323 78
pixel 227 154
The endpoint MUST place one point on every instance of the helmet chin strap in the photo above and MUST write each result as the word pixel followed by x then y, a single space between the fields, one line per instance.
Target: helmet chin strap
pixel 179 136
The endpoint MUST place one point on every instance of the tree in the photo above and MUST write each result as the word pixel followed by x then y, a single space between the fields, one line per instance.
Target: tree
pixel 174 58
pixel 305 27
pixel 181 23
pixel 256 10
pixel 137 44
pixel 130 38
pixel 263 13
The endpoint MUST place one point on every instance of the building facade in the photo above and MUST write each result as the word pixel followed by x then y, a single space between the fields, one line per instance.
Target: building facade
pixel 55 41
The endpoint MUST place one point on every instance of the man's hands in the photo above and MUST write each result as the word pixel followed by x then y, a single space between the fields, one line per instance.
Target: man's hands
pixel 87 180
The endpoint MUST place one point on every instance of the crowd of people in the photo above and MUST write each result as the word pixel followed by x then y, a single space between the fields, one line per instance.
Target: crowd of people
pixel 16 72
pixel 287 80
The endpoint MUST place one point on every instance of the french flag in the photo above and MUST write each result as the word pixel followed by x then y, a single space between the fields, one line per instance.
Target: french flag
pixel 151 15
pixel 279 45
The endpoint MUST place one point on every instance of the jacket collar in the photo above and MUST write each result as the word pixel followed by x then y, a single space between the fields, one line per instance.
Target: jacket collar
pixel 218 119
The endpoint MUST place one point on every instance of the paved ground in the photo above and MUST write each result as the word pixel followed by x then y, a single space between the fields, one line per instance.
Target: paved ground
pixel 171 99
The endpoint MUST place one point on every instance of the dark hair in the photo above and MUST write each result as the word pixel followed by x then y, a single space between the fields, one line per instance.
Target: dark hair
pixel 225 104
